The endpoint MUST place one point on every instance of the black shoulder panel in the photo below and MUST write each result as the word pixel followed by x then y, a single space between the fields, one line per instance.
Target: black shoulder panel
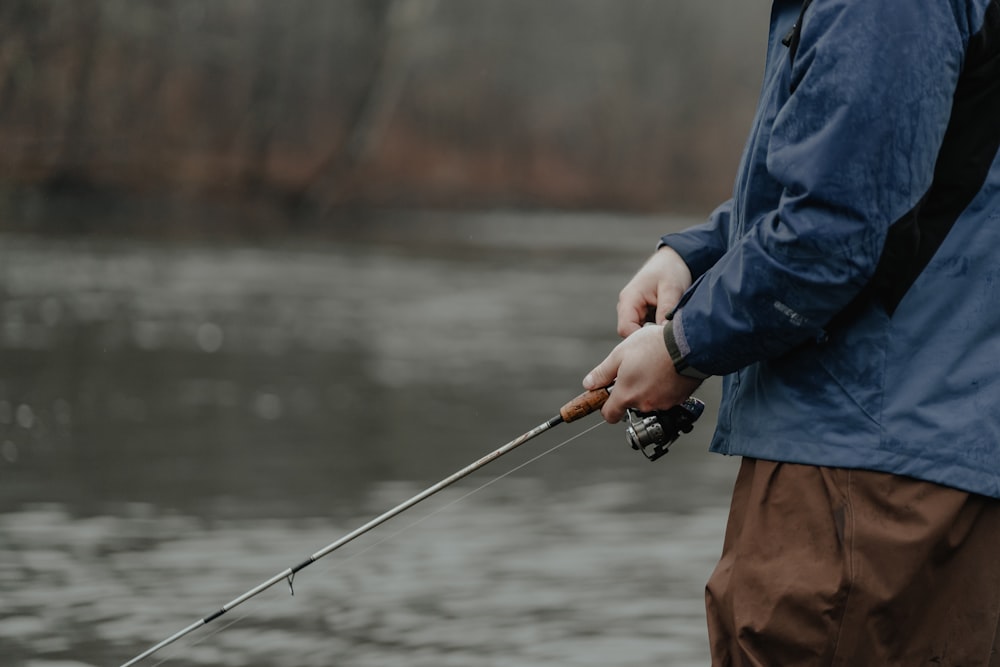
pixel 970 146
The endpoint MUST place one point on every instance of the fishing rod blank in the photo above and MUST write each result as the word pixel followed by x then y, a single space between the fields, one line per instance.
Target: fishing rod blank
pixel 579 407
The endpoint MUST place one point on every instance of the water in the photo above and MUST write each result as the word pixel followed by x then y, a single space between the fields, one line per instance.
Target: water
pixel 179 422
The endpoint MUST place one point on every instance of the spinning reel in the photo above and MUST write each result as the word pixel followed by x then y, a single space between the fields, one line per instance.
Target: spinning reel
pixel 652 433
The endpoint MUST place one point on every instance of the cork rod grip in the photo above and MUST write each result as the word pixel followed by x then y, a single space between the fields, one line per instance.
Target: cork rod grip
pixel 584 404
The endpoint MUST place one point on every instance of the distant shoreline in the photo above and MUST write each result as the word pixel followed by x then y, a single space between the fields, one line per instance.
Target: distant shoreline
pixel 111 215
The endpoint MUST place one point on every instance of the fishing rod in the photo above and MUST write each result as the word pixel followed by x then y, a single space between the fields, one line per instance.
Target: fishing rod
pixel 651 433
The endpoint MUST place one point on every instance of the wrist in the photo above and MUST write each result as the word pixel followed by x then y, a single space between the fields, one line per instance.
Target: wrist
pixel 678 350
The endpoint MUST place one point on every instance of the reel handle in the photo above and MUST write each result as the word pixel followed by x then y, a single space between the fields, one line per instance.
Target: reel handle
pixel 584 404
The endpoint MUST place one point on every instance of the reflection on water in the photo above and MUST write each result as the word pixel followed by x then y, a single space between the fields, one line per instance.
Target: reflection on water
pixel 525 578
pixel 179 423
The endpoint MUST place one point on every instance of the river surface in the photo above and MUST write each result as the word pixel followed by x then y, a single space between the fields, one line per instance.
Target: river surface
pixel 181 421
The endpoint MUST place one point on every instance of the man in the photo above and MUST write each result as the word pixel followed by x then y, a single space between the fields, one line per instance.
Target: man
pixel 849 293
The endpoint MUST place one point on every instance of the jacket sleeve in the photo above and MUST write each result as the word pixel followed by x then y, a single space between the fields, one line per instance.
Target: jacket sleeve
pixel 852 147
pixel 701 246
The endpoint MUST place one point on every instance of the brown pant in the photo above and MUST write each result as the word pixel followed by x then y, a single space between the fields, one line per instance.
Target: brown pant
pixel 828 566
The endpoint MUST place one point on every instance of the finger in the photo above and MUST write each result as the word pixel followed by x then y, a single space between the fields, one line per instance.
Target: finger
pixel 613 409
pixel 666 305
pixel 627 327
pixel 604 374
pixel 663 309
pixel 632 312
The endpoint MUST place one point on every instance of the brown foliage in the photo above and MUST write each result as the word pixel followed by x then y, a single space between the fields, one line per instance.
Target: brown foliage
pixel 627 104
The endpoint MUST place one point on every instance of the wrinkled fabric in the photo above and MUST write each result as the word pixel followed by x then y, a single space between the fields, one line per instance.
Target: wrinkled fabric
pixel 844 144
pixel 853 568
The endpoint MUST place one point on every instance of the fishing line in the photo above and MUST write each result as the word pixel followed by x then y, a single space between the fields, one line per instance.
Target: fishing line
pixel 329 566
pixel 194 642
pixel 651 433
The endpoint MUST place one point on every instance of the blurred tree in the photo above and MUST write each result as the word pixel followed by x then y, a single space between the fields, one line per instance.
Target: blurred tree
pixel 399 22
pixel 628 104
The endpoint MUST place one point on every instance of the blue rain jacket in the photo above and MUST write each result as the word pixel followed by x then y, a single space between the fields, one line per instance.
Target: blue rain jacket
pixel 847 291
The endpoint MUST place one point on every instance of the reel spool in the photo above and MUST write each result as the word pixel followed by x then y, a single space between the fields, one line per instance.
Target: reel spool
pixel 652 433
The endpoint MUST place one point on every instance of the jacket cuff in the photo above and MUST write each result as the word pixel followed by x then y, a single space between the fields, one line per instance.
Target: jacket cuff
pixel 692 250
pixel 673 337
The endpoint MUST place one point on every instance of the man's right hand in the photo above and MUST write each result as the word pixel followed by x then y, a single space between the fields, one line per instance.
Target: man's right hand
pixel 658 286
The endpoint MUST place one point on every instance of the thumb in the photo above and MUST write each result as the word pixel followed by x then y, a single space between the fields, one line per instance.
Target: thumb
pixel 604 374
pixel 669 298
